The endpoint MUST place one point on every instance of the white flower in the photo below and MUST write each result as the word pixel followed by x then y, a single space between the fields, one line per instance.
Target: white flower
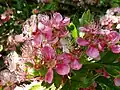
pixel 40 26
pixel 118 26
pixel 18 88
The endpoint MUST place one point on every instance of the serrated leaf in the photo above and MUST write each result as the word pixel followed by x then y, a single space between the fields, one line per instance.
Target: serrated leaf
pixel 86 18
pixel 84 78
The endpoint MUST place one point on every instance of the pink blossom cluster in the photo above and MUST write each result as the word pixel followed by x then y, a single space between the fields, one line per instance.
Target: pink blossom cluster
pixel 102 35
pixel 43 35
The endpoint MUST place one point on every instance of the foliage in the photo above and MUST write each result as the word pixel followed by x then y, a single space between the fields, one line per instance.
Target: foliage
pixel 56 44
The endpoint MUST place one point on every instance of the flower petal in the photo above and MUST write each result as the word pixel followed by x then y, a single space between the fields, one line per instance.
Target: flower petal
pixel 92 52
pixel 58 17
pixel 82 42
pixel 19 38
pixel 113 37
pixel 117 81
pixel 66 21
pixel 65 57
pixel 62 69
pixel 47 32
pixel 76 65
pixel 49 76
pixel 40 26
pixel 115 48
pixel 48 52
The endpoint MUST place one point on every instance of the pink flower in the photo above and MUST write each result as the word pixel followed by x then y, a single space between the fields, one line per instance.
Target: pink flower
pixel 37 39
pixel 49 76
pixel 19 38
pixel 65 58
pixel 47 32
pixel 62 69
pixel 66 21
pixel 75 65
pixel 48 52
pixel 115 48
pixel 93 52
pixel 117 81
pixel 45 1
pixel 82 42
pixel 57 17
pixel 101 46
pixel 113 37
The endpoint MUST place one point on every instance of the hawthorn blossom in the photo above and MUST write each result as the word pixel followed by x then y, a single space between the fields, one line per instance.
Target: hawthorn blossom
pixel 75 65
pixel 48 52
pixel 93 52
pixel 66 61
pixel 101 35
pixel 62 69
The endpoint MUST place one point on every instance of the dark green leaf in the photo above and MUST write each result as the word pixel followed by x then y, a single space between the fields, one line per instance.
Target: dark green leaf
pixel 109 57
pixel 106 82
pixel 57 80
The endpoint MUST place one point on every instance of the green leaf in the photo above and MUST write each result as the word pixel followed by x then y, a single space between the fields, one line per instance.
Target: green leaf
pixel 75 19
pixel 35 87
pixel 109 57
pixel 86 18
pixel 1 88
pixel 57 80
pixel 29 64
pixel 106 82
pixel 83 78
pixel 74 31
pixel 42 71
pixel 113 70
pixel 49 7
